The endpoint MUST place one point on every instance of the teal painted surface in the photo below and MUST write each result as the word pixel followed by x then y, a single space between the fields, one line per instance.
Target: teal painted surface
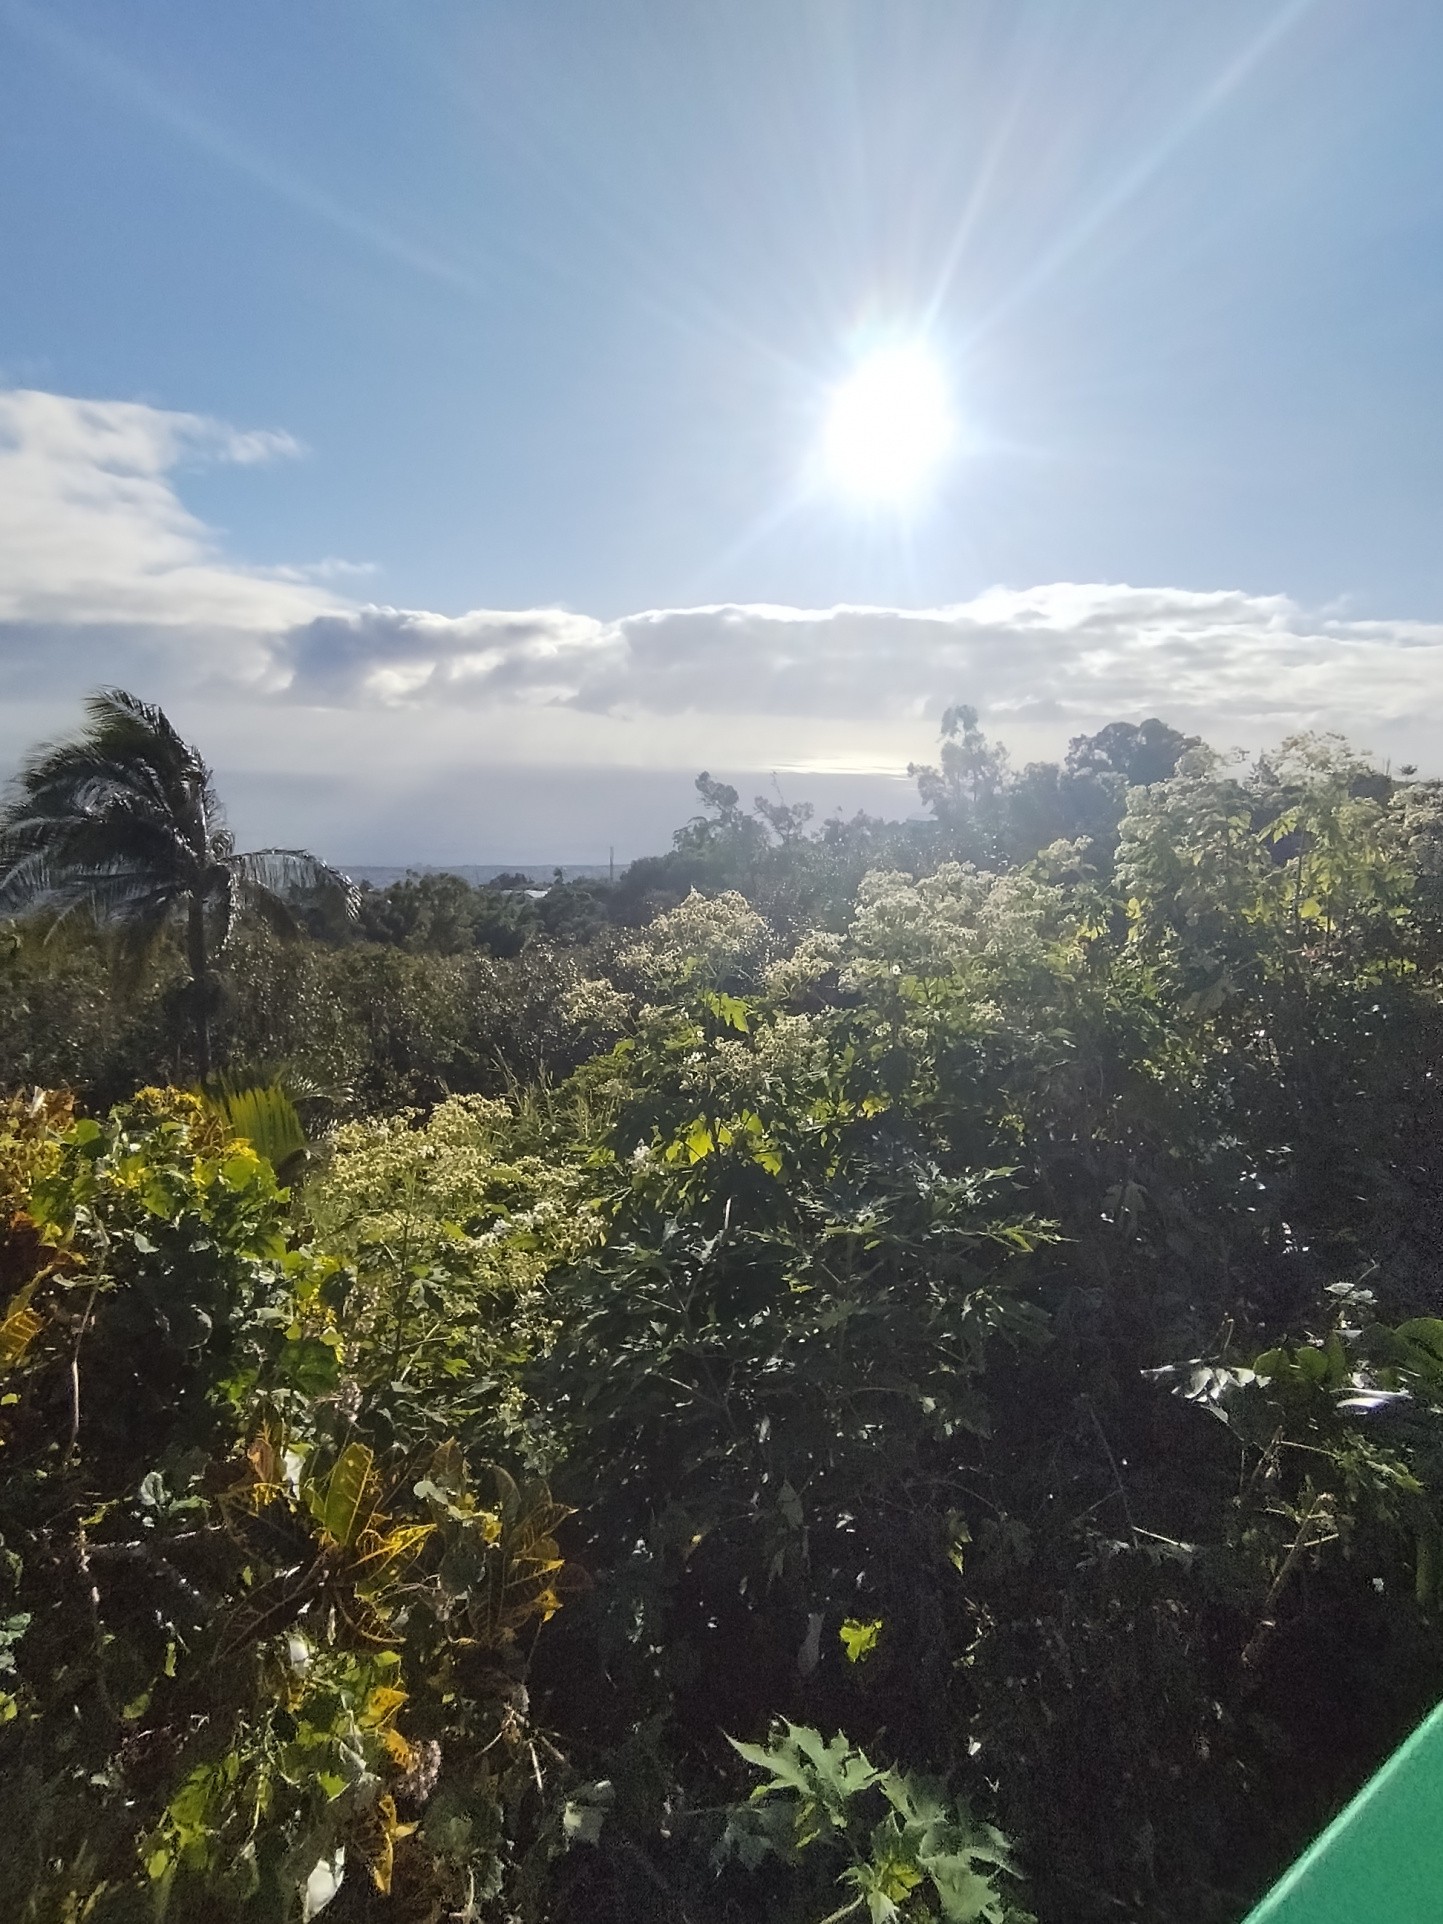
pixel 1381 1860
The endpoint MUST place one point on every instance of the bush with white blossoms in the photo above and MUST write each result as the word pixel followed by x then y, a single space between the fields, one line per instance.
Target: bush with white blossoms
pixel 456 1191
pixel 705 942
pixel 597 1007
pixel 960 922
pixel 793 977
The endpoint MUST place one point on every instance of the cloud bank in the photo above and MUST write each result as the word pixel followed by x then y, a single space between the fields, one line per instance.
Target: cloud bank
pixel 106 575
pixel 1063 654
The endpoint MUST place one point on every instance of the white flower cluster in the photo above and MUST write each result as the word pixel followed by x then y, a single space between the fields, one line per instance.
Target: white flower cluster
pixel 596 1006
pixel 947 922
pixel 1418 810
pixel 814 957
pixel 792 1048
pixel 454 1190
pixel 735 1073
pixel 727 1074
pixel 705 940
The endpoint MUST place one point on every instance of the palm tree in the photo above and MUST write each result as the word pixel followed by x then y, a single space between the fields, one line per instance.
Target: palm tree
pixel 123 824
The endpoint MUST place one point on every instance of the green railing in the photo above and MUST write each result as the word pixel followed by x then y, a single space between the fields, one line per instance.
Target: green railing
pixel 1381 1860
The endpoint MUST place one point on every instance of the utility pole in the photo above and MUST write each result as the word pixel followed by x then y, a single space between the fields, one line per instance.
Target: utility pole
pixel 611 863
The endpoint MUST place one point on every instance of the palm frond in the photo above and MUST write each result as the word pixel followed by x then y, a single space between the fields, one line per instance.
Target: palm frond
pixel 283 872
pixel 110 893
pixel 128 791
pixel 305 1089
pixel 265 1115
pixel 27 879
pixel 92 843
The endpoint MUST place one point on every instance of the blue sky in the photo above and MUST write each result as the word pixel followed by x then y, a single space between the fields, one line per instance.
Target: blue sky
pixel 537 309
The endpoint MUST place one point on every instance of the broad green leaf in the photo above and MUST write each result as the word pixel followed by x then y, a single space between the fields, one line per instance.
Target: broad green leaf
pixel 238 1171
pixel 1311 1362
pixel 585 1812
pixel 1424 1337
pixel 309 1365
pixel 966 1897
pixel 342 1510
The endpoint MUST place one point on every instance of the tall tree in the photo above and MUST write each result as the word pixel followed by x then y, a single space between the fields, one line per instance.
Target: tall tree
pixel 1140 752
pixel 123 823
pixel 968 792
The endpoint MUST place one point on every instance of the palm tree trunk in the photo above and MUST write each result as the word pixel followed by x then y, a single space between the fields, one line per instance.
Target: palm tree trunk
pixel 198 956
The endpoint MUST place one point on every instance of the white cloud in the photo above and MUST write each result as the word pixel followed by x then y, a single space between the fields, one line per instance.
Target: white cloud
pixel 106 575
pixel 1062 657
pixel 92 530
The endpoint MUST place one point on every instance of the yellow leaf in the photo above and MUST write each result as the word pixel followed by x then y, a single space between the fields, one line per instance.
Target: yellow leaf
pixel 344 1509
pixel 859 1639
pixel 381 1706
pixel 19 1329
pixel 381 1554
pixel 376 1834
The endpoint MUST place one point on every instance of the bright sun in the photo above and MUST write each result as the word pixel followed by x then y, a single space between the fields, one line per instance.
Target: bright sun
pixel 889 425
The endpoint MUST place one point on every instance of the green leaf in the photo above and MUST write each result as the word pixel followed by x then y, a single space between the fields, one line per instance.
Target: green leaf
pixel 1424 1337
pixel 1312 1363
pixel 309 1365
pixel 585 1811
pixel 12 1629
pixel 341 1511
pixel 238 1172
pixel 731 1009
pixel 966 1897
pixel 266 1117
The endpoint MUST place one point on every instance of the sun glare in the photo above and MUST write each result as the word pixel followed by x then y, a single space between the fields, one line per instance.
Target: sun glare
pixel 889 425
